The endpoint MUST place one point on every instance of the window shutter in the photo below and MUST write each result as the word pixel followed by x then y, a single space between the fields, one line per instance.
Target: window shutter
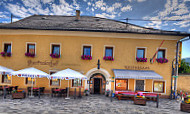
pixel 3 78
pixel 26 81
pixel 50 82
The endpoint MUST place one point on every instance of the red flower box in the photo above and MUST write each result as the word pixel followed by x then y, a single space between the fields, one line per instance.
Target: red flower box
pixel 3 54
pixel 108 58
pixel 55 55
pixel 141 59
pixel 162 60
pixel 86 57
pixel 30 54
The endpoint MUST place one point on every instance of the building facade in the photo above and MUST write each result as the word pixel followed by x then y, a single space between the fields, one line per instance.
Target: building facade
pixel 100 54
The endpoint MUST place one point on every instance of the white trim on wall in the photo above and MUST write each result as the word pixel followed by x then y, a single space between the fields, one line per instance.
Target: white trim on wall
pixel 31 43
pixel 135 84
pixel 55 44
pixel 3 46
pixel 165 51
pixel 29 84
pixel 53 86
pixel 164 86
pixel 86 45
pixel 5 83
pixel 109 46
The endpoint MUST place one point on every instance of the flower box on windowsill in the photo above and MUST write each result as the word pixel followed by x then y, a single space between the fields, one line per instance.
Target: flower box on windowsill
pixel 30 54
pixel 108 58
pixel 55 55
pixel 86 57
pixel 4 54
pixel 162 60
pixel 141 59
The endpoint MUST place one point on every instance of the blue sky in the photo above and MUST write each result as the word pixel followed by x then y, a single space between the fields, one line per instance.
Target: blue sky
pixel 112 9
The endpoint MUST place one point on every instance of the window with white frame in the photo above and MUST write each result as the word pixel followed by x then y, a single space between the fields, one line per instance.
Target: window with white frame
pixel 54 82
pixel 159 86
pixel 29 80
pixel 6 79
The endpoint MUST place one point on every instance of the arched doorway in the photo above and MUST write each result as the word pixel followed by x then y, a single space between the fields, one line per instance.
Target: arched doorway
pixel 101 77
pixel 97 83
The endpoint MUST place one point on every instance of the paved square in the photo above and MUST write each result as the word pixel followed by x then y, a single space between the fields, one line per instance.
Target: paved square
pixel 97 104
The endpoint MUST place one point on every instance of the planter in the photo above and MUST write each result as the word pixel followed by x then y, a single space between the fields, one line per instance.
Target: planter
pixel 19 95
pixel 139 101
pixel 185 107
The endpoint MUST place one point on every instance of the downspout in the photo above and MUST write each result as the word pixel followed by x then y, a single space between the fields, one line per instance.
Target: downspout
pixel 176 69
pixel 171 94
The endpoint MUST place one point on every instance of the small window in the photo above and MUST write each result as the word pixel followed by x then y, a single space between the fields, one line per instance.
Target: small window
pixel 31 48
pixel 28 81
pixel 140 53
pixel 7 48
pixel 121 84
pixel 54 82
pixel 161 53
pixel 76 83
pixel 6 79
pixel 159 86
pixel 87 50
pixel 109 52
pixel 55 51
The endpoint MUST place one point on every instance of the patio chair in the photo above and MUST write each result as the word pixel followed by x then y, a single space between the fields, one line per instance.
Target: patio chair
pixel 29 91
pixel 16 87
pixel 10 89
pixel 52 92
pixel 63 92
pixel 42 90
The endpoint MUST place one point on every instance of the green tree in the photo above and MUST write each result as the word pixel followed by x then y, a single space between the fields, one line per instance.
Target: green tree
pixel 185 68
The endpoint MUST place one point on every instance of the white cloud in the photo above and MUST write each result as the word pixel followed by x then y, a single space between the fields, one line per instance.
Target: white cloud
pixel 105 15
pixel 126 8
pixel 174 10
pixel 141 0
pixel 47 1
pixel 15 19
pixel 117 5
pixel 173 29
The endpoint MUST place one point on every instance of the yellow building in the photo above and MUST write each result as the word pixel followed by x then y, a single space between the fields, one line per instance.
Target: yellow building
pixel 53 43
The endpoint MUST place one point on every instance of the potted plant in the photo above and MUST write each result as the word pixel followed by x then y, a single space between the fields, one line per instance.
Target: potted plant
pixel 162 60
pixel 55 55
pixel 185 104
pixel 18 94
pixel 86 57
pixel 30 54
pixel 3 54
pixel 86 92
pixel 110 58
pixel 107 92
pixel 140 99
pixel 141 59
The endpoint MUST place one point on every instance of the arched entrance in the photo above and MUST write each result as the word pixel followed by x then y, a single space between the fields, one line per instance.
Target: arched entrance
pixel 97 83
pixel 98 80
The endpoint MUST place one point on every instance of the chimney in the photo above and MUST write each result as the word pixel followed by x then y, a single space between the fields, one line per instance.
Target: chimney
pixel 77 14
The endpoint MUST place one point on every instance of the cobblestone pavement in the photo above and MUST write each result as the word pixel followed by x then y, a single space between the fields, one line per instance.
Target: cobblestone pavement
pixel 96 104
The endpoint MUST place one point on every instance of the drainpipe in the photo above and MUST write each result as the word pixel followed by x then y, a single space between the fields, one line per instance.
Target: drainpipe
pixel 176 69
pixel 171 95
